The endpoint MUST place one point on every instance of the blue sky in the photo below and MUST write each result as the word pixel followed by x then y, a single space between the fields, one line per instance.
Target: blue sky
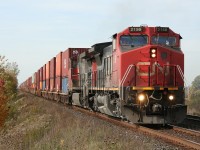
pixel 32 32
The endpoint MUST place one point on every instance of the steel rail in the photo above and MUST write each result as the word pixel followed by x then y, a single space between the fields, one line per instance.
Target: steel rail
pixel 191 117
pixel 188 131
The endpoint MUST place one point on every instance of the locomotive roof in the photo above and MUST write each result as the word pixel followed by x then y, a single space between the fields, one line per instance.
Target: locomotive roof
pixel 95 49
pixel 98 48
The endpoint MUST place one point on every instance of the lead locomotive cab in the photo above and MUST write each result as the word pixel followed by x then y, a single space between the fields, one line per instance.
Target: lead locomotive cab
pixel 152 70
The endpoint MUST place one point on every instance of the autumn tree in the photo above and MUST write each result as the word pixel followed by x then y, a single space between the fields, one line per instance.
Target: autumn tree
pixel 8 85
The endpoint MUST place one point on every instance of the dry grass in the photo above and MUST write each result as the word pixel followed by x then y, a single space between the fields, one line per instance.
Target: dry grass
pixel 38 124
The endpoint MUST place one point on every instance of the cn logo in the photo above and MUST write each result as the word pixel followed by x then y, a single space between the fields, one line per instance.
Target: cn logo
pixel 153 68
pixel 75 52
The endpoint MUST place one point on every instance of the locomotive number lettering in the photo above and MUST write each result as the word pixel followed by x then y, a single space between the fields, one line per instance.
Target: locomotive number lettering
pixel 135 29
pixel 162 29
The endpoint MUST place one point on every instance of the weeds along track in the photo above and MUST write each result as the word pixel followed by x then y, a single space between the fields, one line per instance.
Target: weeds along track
pixel 178 136
pixel 187 139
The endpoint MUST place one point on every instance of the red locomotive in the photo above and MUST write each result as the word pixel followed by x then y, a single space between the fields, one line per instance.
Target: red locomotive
pixel 139 76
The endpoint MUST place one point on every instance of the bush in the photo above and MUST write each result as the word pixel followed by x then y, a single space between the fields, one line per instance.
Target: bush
pixel 8 85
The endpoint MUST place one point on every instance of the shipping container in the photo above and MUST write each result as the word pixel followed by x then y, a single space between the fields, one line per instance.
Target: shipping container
pixel 70 59
pixel 38 79
pixel 64 85
pixel 65 63
pixel 48 70
pixel 52 84
pixel 41 74
pixel 52 67
pixel 41 85
pixel 75 52
pixel 48 76
pixel 44 85
pixel 59 64
pixel 58 84
pixel 47 84
pixel 41 77
pixel 52 71
pixel 44 73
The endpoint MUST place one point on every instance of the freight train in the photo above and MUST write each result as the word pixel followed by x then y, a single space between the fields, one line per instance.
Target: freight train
pixel 138 76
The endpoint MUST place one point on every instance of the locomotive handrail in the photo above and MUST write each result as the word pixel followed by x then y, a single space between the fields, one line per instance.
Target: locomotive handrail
pixel 182 75
pixel 124 78
pixel 183 78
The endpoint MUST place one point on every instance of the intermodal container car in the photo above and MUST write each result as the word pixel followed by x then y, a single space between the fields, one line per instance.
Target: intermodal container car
pixel 47 76
pixel 64 85
pixel 41 77
pixel 52 73
pixel 70 66
pixel 59 64
pixel 38 79
pixel 58 80
pixel 44 78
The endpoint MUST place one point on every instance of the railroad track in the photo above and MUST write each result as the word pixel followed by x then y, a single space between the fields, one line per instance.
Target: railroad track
pixel 191 122
pixel 187 131
pixel 194 118
pixel 172 138
pixel 187 135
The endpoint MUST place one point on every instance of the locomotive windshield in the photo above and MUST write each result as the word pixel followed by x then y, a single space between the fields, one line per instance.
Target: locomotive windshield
pixel 164 40
pixel 128 42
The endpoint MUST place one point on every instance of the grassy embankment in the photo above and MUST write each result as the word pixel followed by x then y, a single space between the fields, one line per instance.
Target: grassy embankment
pixel 35 123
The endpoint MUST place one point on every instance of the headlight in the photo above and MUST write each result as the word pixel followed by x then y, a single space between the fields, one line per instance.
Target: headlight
pixel 171 97
pixel 141 97
pixel 153 53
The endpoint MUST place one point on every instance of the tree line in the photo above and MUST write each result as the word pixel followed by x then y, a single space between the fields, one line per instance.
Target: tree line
pixel 8 85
